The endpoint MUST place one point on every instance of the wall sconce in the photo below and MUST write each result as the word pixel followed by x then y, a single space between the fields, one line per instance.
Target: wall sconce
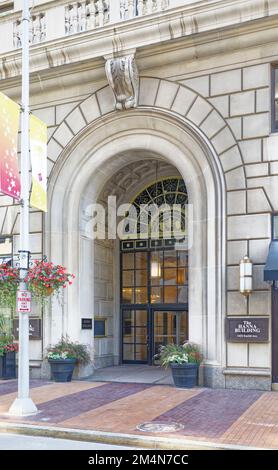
pixel 246 278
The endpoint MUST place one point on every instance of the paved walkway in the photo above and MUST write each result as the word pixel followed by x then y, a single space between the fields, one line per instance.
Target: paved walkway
pixel 236 417
pixel 134 373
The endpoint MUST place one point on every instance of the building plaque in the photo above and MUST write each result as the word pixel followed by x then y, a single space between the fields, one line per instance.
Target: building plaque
pixel 86 323
pixel 34 328
pixel 247 329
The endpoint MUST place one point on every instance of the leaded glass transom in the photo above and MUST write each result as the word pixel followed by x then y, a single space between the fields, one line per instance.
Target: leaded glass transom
pixel 168 191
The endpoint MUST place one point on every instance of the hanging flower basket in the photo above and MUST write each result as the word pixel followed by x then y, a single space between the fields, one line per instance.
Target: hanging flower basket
pixel 9 281
pixel 45 279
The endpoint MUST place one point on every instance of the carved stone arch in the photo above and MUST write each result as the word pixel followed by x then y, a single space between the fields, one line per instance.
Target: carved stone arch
pixel 177 124
pixel 172 97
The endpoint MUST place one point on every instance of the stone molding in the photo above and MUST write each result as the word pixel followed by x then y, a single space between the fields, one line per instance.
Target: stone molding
pixel 175 98
pixel 246 371
pixel 123 78
pixel 94 157
pixel 175 122
pixel 155 31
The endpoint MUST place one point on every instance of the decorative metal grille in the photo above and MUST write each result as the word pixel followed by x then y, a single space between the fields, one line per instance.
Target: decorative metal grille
pixel 168 191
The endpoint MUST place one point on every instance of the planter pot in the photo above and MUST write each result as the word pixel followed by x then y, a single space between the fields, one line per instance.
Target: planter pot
pixel 185 375
pixel 49 291
pixel 8 366
pixel 62 369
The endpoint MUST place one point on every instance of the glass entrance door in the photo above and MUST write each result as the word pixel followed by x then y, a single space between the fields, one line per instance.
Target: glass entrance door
pixel 135 336
pixel 143 333
pixel 169 327
pixel 154 298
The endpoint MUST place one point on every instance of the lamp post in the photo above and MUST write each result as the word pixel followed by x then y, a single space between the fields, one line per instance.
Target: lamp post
pixel 23 404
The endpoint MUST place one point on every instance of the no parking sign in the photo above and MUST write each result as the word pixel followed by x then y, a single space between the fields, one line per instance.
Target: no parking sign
pixel 24 302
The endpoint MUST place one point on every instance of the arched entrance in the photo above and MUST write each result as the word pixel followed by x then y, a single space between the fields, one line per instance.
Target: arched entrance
pixel 154 273
pixel 81 176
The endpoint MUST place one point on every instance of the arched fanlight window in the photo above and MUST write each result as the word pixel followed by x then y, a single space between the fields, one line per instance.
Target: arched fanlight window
pixel 164 194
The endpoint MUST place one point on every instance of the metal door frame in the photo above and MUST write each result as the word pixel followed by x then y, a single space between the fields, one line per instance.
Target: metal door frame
pixel 166 308
pixel 150 326
pixel 149 307
pixel 134 307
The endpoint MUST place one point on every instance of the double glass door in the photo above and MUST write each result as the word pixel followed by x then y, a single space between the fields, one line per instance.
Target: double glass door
pixel 154 298
pixel 144 330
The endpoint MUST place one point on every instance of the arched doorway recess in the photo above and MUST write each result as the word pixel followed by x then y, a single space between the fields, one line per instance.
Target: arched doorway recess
pixel 83 169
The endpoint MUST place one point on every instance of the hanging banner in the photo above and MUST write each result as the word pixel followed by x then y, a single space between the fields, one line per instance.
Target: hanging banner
pixel 9 123
pixel 38 150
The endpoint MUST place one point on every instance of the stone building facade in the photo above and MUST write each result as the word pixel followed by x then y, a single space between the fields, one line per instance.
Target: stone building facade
pixel 199 103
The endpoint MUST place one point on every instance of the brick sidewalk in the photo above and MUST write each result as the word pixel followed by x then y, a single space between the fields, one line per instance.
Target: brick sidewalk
pixel 237 417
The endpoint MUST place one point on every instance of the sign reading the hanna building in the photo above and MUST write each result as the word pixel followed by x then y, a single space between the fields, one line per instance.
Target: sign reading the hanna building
pixel 247 329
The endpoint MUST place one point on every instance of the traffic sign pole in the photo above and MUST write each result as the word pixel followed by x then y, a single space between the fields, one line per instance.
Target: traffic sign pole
pixel 23 404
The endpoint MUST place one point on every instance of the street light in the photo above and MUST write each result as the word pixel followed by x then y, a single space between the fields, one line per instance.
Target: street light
pixel 23 404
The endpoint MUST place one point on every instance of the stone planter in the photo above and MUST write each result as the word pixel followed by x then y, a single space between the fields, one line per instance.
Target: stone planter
pixel 62 369
pixel 185 375
pixel 8 366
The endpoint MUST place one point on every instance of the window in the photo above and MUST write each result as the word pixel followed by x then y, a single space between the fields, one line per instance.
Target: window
pixel 275 99
pixel 169 192
pixel 275 227
pixel 100 328
pixel 155 277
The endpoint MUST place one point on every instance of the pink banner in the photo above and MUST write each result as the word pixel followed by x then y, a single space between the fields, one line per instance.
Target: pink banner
pixel 9 122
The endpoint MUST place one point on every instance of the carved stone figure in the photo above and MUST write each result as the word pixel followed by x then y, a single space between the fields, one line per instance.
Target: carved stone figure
pixel 122 75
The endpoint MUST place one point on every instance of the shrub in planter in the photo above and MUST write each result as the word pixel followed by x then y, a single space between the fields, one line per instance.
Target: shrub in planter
pixel 8 350
pixel 63 357
pixel 184 361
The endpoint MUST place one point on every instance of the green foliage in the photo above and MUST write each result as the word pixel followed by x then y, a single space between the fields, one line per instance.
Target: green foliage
pixel 179 354
pixel 5 324
pixel 193 352
pixel 66 349
pixel 2 323
pixel 7 344
pixel 9 281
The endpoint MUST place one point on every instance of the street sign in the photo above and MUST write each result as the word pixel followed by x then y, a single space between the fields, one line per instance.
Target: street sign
pixel 23 301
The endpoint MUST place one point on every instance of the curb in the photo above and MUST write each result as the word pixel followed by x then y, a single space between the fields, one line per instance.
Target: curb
pixel 131 440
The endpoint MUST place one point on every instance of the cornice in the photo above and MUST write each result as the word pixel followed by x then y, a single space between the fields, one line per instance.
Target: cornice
pixel 173 31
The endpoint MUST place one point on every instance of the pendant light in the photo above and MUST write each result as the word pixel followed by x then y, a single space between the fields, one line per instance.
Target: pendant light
pixel 155 269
